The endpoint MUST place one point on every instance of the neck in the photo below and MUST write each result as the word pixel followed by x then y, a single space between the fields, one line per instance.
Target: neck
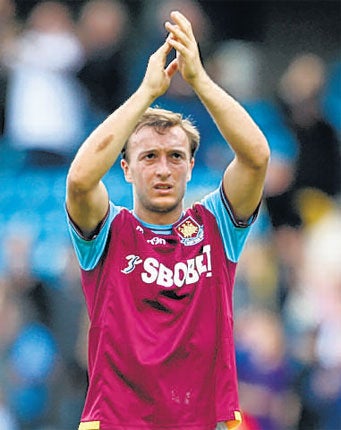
pixel 158 217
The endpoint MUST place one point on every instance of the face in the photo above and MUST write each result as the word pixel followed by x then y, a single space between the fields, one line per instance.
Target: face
pixel 159 167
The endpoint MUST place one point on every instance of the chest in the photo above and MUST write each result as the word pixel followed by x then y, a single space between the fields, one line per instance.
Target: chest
pixel 165 272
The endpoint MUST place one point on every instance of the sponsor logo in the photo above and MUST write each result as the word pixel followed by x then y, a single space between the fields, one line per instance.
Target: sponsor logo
pixel 133 260
pixel 182 273
pixel 190 231
pixel 157 241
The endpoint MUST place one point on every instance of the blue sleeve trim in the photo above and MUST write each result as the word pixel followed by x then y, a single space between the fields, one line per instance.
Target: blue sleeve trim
pixel 233 232
pixel 236 223
pixel 89 251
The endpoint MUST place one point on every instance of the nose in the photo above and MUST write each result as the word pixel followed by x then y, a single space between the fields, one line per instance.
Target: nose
pixel 163 169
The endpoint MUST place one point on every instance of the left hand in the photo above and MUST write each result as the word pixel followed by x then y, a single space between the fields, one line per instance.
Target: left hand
pixel 182 39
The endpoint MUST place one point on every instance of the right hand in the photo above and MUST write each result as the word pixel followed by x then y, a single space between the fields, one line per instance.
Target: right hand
pixel 158 77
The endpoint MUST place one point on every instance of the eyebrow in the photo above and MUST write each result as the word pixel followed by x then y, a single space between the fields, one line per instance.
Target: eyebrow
pixel 170 150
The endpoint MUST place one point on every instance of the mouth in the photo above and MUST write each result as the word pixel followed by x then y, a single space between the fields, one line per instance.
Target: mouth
pixel 163 188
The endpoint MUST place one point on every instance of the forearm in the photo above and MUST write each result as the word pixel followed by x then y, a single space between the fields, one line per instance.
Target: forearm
pixel 234 123
pixel 102 148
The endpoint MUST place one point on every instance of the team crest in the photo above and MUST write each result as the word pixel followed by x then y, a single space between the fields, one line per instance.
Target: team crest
pixel 190 231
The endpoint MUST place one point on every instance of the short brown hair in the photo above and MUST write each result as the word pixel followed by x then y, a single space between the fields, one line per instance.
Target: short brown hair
pixel 161 120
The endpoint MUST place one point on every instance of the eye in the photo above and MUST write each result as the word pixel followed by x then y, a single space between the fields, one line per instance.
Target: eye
pixel 177 155
pixel 149 156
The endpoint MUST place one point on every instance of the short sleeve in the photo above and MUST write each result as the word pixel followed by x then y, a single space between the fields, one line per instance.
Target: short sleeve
pixel 89 251
pixel 234 233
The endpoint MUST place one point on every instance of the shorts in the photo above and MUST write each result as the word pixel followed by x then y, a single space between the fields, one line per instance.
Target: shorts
pixel 95 425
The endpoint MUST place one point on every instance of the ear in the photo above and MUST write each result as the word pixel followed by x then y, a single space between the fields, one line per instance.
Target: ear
pixel 126 170
pixel 191 166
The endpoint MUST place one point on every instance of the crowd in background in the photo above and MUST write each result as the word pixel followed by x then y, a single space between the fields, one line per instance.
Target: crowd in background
pixel 62 71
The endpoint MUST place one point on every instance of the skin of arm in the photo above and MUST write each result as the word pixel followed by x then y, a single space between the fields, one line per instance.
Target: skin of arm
pixel 243 180
pixel 86 196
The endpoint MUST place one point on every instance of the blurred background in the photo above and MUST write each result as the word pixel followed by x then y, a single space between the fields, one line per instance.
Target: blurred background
pixel 64 66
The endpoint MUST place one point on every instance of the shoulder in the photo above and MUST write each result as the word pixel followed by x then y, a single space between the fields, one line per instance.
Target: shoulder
pixel 217 203
pixel 232 231
pixel 89 250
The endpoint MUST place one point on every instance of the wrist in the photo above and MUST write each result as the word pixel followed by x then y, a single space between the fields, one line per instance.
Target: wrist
pixel 200 81
pixel 148 92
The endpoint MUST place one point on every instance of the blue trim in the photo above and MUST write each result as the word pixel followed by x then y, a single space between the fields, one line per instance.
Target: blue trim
pixel 89 251
pixel 233 232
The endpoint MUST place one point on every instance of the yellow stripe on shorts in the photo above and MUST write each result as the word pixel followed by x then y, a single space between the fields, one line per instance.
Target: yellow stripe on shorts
pixel 233 424
pixel 89 425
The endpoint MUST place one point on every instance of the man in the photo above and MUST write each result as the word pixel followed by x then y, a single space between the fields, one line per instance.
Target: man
pixel 158 280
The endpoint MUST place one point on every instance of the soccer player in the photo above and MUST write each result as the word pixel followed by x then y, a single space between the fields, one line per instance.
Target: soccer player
pixel 158 280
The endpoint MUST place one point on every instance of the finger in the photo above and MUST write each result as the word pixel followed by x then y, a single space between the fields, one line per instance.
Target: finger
pixel 172 68
pixel 182 21
pixel 175 33
pixel 174 29
pixel 179 47
pixel 164 49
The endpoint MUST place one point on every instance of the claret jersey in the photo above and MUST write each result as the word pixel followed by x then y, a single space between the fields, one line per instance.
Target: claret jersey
pixel 161 350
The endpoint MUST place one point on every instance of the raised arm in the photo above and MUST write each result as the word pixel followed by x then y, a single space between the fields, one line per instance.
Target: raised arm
pixel 244 177
pixel 87 198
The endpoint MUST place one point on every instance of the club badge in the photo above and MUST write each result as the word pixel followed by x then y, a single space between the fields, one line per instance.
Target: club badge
pixel 190 231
